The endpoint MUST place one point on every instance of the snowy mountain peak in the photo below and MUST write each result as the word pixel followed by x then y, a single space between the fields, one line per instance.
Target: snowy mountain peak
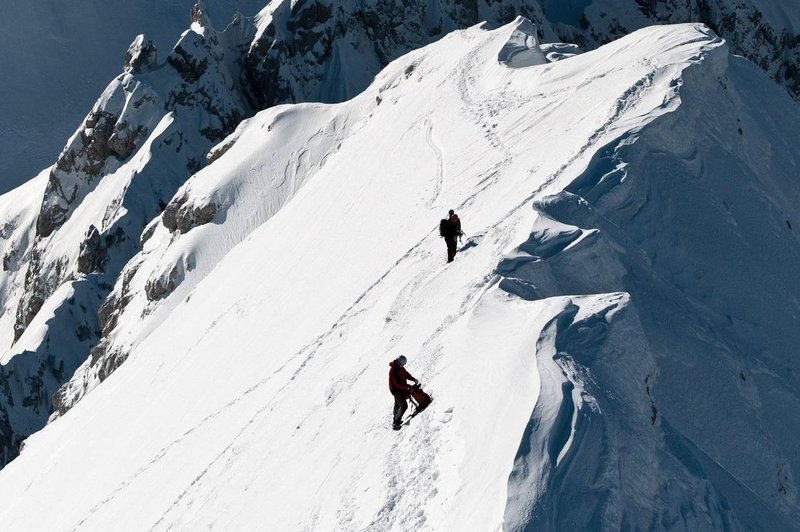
pixel 616 256
pixel 205 289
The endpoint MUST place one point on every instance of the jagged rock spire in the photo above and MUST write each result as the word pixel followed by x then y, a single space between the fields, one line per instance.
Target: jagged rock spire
pixel 199 17
pixel 141 55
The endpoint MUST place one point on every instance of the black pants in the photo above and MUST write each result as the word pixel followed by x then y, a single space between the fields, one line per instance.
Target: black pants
pixel 400 407
pixel 451 247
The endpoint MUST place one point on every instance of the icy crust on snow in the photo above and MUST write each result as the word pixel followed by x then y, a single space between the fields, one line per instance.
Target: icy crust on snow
pixel 258 395
pixel 685 418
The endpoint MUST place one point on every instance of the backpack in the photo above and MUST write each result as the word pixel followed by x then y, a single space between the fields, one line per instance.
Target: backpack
pixel 445 227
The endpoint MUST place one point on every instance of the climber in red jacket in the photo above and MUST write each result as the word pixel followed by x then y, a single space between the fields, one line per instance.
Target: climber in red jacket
pixel 398 386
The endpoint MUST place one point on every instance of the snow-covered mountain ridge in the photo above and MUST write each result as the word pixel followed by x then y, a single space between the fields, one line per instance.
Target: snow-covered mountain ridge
pixel 293 52
pixel 264 354
pixel 58 63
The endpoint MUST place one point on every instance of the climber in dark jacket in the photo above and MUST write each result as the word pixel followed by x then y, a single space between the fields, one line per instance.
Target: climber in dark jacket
pixel 450 229
pixel 398 386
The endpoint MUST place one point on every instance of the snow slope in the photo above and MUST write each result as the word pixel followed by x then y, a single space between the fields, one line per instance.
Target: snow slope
pixel 580 353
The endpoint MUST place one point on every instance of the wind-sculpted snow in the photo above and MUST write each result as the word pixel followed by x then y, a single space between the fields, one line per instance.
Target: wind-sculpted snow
pixel 522 48
pixel 182 249
pixel 695 225
pixel 577 351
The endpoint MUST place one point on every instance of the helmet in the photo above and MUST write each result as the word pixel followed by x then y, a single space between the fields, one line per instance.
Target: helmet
pixel 401 360
pixel 451 212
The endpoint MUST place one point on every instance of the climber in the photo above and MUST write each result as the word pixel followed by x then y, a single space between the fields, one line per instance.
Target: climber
pixel 398 386
pixel 450 229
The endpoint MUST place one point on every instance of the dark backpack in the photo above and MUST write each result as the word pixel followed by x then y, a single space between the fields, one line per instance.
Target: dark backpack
pixel 445 227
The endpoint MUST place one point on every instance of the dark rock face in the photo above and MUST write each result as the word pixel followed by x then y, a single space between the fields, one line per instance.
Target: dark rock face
pixel 198 87
pixel 160 286
pixel 201 85
pixel 291 59
pixel 207 83
pixel 122 141
pixel 189 66
pixel 92 252
pixel 37 288
pixel 748 31
pixel 102 136
pixel 198 15
pixel 183 217
pixel 31 377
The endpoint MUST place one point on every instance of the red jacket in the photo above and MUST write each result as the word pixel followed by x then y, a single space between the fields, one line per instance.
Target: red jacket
pixel 456 223
pixel 398 377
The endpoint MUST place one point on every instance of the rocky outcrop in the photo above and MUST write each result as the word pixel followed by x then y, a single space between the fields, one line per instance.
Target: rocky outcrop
pixel 203 61
pixel 325 51
pixel 92 252
pixel 159 286
pixel 37 288
pixel 200 87
pixel 141 56
pixel 181 216
pixel 36 372
pixel 119 122
pixel 318 50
